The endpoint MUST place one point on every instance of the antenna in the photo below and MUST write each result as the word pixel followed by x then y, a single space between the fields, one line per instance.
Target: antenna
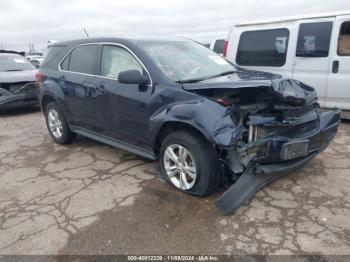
pixel 87 35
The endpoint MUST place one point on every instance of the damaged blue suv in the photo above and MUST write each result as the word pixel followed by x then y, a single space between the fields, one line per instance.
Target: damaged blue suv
pixel 204 119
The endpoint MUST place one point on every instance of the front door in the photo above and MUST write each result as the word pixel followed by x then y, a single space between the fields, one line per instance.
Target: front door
pixel 311 65
pixel 122 109
pixel 338 92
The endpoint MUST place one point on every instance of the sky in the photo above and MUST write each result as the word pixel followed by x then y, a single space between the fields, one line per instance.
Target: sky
pixel 37 21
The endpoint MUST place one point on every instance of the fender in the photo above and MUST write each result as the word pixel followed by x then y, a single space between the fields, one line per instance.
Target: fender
pixel 208 117
pixel 50 88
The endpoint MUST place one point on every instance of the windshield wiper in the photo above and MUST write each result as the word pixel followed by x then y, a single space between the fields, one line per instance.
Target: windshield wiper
pixel 195 80
pixel 13 70
pixel 223 74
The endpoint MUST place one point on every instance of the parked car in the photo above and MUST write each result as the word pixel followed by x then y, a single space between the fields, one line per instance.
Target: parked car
pixel 218 46
pixel 174 100
pixel 17 82
pixel 36 61
pixel 314 49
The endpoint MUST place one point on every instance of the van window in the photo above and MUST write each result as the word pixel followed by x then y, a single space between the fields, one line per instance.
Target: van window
pixel 219 46
pixel 344 40
pixel 116 59
pixel 83 59
pixel 314 39
pixel 263 48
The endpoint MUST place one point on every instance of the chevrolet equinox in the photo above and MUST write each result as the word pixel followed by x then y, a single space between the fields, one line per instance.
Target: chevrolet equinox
pixel 205 120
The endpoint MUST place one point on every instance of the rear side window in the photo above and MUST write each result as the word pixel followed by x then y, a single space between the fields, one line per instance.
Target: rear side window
pixel 83 59
pixel 53 57
pixel 219 46
pixel 263 48
pixel 314 39
pixel 344 40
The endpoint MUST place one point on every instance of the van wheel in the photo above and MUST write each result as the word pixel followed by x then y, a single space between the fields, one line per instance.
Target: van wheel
pixel 189 163
pixel 57 125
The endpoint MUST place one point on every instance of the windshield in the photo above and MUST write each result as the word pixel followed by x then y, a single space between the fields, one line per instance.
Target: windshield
pixel 14 63
pixel 186 61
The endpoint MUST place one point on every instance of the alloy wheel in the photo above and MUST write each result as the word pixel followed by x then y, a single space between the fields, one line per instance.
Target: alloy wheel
pixel 55 123
pixel 180 166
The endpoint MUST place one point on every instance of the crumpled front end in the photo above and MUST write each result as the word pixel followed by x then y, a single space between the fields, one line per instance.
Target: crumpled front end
pixel 278 127
pixel 274 150
pixel 18 94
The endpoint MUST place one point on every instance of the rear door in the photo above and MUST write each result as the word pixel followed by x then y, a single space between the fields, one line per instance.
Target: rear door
pixel 338 92
pixel 78 81
pixel 312 57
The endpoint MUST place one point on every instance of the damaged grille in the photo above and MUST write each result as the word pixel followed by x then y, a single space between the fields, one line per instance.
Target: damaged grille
pixel 27 88
pixel 291 112
pixel 290 131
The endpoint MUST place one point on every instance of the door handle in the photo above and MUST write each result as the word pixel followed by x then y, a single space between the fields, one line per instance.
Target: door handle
pixel 101 89
pixel 335 67
pixel 61 79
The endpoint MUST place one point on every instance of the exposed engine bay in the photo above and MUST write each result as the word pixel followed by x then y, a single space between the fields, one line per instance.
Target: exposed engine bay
pixel 280 129
pixel 266 114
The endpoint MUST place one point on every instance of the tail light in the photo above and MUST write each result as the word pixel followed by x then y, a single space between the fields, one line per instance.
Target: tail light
pixel 37 79
pixel 224 53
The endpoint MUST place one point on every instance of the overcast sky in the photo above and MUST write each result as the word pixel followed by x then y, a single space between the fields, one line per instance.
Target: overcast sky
pixel 36 21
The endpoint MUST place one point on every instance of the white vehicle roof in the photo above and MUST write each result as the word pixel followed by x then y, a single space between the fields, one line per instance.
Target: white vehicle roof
pixel 292 18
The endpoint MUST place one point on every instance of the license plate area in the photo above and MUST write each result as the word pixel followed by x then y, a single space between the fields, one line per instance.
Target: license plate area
pixel 293 150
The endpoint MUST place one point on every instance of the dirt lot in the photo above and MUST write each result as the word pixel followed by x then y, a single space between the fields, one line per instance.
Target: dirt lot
pixel 89 198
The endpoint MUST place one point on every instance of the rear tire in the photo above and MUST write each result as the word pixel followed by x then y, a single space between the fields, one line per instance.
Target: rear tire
pixel 194 168
pixel 57 124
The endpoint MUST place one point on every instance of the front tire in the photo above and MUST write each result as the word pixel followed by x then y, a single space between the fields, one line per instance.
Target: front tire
pixel 189 163
pixel 57 125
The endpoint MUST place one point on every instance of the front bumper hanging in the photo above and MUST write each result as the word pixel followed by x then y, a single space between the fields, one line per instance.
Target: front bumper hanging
pixel 257 175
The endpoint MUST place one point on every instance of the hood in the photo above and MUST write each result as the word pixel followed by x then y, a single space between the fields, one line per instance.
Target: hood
pixel 285 90
pixel 17 76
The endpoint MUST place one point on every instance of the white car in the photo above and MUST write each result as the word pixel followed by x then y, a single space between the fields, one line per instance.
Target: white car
pixel 314 49
pixel 36 61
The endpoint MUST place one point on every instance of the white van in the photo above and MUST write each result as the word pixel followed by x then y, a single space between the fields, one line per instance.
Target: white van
pixel 312 49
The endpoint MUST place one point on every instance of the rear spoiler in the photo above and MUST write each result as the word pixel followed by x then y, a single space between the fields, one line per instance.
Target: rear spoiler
pixel 12 52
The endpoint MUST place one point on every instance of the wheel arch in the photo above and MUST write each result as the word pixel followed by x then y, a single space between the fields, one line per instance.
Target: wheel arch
pixel 171 126
pixel 45 100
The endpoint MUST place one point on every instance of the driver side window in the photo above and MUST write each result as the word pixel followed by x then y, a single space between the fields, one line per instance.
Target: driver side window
pixel 116 59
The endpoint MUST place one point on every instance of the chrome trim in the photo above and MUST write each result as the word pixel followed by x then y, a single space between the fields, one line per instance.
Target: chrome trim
pixel 104 43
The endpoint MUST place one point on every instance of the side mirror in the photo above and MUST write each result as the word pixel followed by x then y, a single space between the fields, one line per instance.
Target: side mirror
pixel 132 77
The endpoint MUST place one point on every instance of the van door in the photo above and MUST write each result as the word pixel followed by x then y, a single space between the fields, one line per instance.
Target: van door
pixel 312 57
pixel 338 92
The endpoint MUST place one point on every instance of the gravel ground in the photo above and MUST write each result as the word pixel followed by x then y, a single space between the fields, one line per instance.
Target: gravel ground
pixel 89 198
